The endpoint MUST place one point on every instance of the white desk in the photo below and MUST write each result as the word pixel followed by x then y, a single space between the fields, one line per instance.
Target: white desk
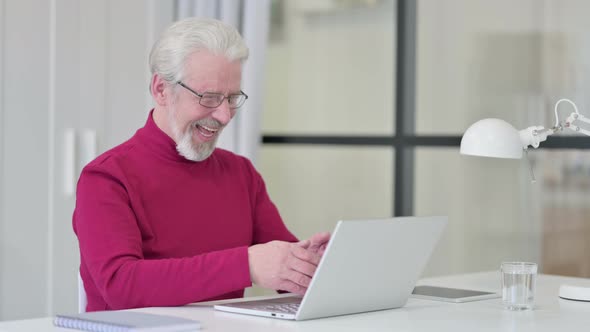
pixel 550 314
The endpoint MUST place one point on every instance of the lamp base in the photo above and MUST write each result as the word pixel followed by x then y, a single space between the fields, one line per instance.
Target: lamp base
pixel 574 293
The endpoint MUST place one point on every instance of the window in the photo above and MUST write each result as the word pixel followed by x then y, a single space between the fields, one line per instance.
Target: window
pixel 374 97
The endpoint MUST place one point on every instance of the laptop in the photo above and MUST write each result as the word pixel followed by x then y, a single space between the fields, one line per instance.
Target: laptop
pixel 368 265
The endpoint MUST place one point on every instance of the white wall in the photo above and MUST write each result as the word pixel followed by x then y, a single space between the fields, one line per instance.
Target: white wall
pixel 25 158
pixel 67 64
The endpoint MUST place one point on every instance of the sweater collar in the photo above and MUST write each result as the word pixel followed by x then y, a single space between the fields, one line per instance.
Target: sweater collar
pixel 157 141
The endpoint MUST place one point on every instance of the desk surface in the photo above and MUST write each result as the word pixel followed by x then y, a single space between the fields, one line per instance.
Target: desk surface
pixel 551 313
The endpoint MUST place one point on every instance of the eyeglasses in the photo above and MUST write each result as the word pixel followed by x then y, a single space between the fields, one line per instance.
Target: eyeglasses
pixel 212 100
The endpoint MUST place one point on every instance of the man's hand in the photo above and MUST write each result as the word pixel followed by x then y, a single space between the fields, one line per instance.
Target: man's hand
pixel 317 243
pixel 283 266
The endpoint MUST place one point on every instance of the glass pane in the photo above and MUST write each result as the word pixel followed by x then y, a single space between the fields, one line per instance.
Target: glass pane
pixel 315 186
pixel 564 179
pixel 492 205
pixel 330 68
pixel 497 214
pixel 507 59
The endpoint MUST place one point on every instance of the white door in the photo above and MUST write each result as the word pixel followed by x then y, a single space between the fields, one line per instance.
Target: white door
pixel 74 83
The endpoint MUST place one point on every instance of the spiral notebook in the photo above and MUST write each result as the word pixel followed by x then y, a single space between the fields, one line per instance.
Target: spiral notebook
pixel 125 321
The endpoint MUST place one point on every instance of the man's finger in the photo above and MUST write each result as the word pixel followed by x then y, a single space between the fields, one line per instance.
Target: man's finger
pixel 304 244
pixel 301 266
pixel 306 255
pixel 318 240
pixel 291 287
pixel 297 278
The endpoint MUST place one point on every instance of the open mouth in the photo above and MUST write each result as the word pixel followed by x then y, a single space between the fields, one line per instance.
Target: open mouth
pixel 206 131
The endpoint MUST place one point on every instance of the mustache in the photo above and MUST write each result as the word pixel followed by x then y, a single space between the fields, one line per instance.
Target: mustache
pixel 210 123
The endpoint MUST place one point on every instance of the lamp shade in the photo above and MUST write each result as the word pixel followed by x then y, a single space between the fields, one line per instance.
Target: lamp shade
pixel 492 138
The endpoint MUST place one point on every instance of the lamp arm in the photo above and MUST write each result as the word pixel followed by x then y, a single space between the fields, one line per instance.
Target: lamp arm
pixel 534 135
pixel 569 123
pixel 557 105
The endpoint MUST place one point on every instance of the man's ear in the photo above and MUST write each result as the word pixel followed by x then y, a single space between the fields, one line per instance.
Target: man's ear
pixel 159 91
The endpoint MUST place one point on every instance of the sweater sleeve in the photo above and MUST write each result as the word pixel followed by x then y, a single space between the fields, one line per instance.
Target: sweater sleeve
pixel 268 224
pixel 111 247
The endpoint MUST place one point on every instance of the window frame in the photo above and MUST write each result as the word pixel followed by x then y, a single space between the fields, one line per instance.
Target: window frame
pixel 405 141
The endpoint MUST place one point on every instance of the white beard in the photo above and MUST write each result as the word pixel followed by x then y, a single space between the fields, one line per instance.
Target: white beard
pixel 184 141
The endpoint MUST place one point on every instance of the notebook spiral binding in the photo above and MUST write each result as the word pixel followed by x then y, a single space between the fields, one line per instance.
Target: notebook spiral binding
pixel 86 325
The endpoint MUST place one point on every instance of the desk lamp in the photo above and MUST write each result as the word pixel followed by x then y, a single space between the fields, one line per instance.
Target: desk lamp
pixel 498 139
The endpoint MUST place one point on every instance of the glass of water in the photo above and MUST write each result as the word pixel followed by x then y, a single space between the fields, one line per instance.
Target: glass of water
pixel 518 285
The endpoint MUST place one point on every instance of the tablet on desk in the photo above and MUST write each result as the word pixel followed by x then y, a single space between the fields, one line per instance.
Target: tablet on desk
pixel 451 294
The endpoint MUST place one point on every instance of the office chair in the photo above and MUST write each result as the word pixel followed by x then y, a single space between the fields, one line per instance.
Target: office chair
pixel 81 295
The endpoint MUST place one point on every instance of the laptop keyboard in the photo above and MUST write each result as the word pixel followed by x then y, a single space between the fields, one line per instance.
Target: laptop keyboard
pixel 287 308
pixel 285 305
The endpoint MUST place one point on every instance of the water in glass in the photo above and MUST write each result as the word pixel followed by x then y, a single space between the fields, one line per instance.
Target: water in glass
pixel 518 285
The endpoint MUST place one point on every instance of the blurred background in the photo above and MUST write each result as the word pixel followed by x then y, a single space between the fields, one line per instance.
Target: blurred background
pixel 357 111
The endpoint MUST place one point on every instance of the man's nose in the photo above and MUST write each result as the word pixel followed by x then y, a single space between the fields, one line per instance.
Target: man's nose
pixel 223 113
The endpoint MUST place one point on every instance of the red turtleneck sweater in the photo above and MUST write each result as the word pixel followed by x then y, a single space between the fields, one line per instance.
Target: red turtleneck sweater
pixel 156 229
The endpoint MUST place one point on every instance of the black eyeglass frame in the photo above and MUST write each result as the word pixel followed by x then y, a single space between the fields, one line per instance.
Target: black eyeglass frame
pixel 242 93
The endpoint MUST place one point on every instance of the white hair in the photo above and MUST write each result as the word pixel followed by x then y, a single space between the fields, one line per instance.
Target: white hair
pixel 181 39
